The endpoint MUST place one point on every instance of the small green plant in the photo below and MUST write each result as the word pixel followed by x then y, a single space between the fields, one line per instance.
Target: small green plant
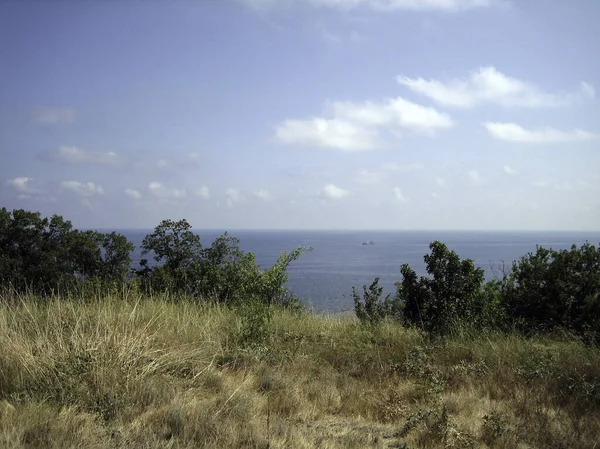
pixel 371 308
pixel 256 318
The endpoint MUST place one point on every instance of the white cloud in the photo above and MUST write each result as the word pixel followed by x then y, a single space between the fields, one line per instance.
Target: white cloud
pixel 158 190
pixel 333 192
pixel 515 133
pixel 393 112
pixel 588 90
pixel 475 177
pixel 22 184
pixel 379 5
pixel 30 189
pixel 264 195
pixel 46 115
pixel 75 155
pixel 133 194
pixel 370 177
pixel 399 195
pixel 203 192
pixel 82 188
pixel 355 126
pixel 395 167
pixel 509 170
pixel 325 133
pixel 540 184
pixel 233 196
pixel 488 85
pixel 441 182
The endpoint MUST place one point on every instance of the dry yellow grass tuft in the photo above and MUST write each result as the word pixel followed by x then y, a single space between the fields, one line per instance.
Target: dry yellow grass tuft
pixel 159 373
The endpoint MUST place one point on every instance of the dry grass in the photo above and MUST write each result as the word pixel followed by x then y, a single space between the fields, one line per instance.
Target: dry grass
pixel 163 374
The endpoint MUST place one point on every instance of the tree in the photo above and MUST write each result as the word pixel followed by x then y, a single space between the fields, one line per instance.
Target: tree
pixel 173 243
pixel 371 308
pixel 451 295
pixel 47 255
pixel 552 289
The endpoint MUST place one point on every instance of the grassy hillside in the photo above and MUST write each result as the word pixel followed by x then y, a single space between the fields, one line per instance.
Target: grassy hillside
pixel 163 374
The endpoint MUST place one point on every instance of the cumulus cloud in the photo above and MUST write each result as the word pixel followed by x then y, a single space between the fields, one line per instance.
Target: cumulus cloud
pixel 588 90
pixel 325 133
pixel 393 112
pixel 402 168
pixel 370 177
pixel 540 184
pixel 515 133
pixel 509 170
pixel 488 85
pixel 331 191
pixel 264 195
pixel 133 194
pixel 75 155
pixel 84 189
pixel 158 190
pixel 22 184
pixel 354 126
pixel 379 5
pixel 475 177
pixel 48 115
pixel 30 189
pixel 233 196
pixel 441 182
pixel 203 192
pixel 399 195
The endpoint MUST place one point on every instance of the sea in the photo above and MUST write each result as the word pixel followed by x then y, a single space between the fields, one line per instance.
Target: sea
pixel 323 278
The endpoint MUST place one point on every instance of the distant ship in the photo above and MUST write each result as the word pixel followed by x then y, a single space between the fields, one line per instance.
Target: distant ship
pixel 370 242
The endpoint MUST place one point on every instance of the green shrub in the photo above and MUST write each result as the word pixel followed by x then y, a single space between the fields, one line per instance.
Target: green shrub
pixel 371 308
pixel 451 296
pixel 552 289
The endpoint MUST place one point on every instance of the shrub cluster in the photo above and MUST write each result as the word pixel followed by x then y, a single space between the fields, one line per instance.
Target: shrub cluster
pixel 544 291
pixel 47 256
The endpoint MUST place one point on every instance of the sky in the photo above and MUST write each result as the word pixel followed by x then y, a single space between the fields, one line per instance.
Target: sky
pixel 303 114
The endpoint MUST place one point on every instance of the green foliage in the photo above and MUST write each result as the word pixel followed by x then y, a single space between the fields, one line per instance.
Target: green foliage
pixel 371 308
pixel 552 289
pixel 256 319
pixel 48 256
pixel 221 272
pixel 173 243
pixel 450 296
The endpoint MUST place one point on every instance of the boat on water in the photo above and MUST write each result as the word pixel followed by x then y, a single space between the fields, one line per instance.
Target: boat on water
pixel 370 242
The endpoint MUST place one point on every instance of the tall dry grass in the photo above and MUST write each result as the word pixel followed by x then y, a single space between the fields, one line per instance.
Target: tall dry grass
pixel 159 373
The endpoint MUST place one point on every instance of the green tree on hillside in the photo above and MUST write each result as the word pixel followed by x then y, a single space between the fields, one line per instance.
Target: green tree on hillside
pixel 450 295
pixel 552 289
pixel 47 255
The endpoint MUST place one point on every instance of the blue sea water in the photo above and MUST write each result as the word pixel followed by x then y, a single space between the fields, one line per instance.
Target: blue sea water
pixel 324 277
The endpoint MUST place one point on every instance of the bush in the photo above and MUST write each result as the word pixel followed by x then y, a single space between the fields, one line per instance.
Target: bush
pixel 371 308
pixel 453 295
pixel 221 272
pixel 46 255
pixel 552 289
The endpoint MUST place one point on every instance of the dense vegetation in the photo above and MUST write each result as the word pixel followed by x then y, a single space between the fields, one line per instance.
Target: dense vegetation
pixel 206 349
pixel 543 291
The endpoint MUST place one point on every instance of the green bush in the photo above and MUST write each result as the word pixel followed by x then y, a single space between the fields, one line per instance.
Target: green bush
pixel 46 255
pixel 221 272
pixel 552 289
pixel 371 308
pixel 451 296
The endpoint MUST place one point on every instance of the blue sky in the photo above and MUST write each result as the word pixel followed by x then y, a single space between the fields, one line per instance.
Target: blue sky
pixel 303 114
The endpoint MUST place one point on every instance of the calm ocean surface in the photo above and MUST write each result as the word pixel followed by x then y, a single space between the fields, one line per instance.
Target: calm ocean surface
pixel 325 276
